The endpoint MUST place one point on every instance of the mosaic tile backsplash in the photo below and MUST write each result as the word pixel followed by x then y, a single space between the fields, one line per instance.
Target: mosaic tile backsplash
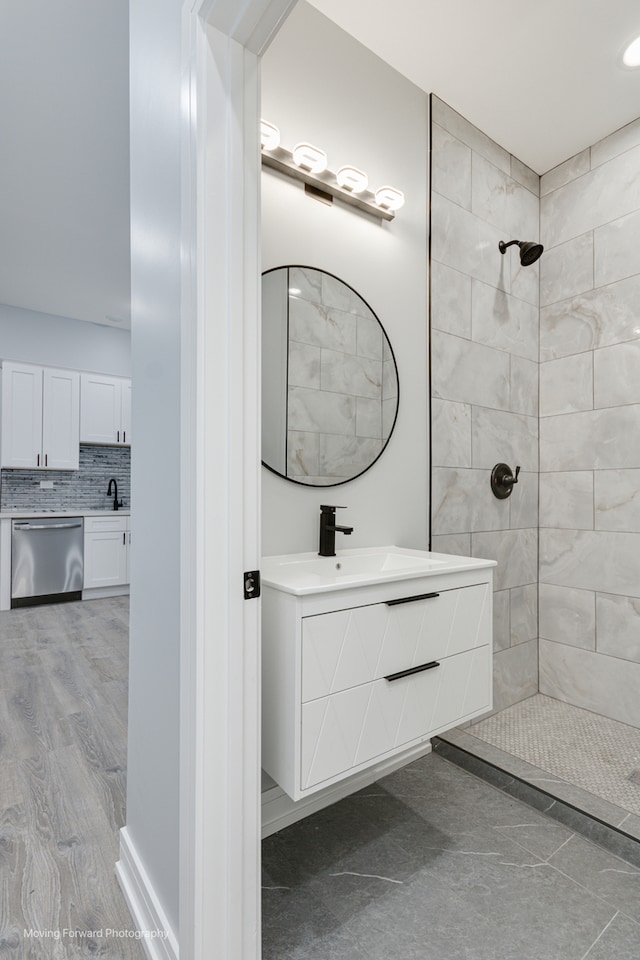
pixel 82 489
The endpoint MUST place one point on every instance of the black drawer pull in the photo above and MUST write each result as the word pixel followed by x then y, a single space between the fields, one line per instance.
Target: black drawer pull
pixel 421 596
pixel 412 670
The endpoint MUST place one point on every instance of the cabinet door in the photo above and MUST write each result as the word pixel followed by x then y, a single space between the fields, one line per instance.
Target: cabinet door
pixel 61 420
pixel 105 559
pixel 128 571
pixel 125 424
pixel 100 409
pixel 21 416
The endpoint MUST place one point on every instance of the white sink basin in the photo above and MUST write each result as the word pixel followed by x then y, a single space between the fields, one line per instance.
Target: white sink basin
pixel 303 573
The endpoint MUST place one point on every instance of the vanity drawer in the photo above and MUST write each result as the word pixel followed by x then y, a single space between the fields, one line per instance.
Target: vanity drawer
pixel 355 726
pixel 347 648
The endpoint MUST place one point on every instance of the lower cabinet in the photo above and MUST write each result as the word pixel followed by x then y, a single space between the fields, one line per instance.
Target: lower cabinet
pixel 107 543
pixel 347 688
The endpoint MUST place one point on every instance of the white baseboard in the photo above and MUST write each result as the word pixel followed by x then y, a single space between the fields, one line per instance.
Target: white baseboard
pixel 279 810
pixel 157 936
pixel 100 593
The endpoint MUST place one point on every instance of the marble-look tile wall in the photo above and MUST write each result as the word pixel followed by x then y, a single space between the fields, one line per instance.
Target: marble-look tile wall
pixel 590 428
pixel 484 379
pixel 342 383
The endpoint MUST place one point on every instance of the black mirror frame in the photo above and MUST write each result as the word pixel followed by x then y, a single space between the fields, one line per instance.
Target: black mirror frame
pixel 340 483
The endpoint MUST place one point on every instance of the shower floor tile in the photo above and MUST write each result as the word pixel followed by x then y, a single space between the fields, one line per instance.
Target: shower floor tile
pixel 596 754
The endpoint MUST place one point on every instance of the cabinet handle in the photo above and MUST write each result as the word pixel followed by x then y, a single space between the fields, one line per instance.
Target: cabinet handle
pixel 118 436
pixel 38 463
pixel 420 596
pixel 46 459
pixel 412 670
pixel 124 436
pixel 124 539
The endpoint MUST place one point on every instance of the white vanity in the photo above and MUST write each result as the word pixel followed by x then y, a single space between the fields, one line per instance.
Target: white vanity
pixel 367 654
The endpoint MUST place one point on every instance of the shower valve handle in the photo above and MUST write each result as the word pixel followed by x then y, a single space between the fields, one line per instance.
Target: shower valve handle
pixel 503 480
pixel 509 481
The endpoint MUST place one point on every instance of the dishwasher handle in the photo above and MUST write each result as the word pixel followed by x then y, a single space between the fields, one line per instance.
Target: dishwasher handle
pixel 22 528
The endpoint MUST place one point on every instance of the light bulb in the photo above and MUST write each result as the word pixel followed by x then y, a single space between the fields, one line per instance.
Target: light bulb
pixel 631 56
pixel 389 198
pixel 269 135
pixel 352 179
pixel 310 158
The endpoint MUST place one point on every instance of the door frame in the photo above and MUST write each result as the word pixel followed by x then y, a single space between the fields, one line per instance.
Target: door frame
pixel 220 475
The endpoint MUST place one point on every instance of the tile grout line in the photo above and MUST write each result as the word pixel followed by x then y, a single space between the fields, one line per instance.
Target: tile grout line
pixel 601 934
pixel 592 893
pixel 563 844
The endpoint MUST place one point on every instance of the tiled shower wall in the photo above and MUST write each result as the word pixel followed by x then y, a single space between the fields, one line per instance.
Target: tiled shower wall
pixel 82 489
pixel 484 361
pixel 590 429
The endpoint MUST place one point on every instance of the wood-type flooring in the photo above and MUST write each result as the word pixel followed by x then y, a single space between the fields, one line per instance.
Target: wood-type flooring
pixel 63 723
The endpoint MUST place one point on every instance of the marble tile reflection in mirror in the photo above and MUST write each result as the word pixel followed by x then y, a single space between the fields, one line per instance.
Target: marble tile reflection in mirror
pixel 329 378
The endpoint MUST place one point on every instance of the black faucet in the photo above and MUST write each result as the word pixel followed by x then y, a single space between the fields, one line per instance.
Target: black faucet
pixel 116 503
pixel 328 530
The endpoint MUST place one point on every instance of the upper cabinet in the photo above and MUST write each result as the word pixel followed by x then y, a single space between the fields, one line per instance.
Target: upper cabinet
pixel 40 417
pixel 105 410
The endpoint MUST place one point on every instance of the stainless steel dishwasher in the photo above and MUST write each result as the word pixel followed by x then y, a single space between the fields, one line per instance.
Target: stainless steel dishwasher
pixel 47 559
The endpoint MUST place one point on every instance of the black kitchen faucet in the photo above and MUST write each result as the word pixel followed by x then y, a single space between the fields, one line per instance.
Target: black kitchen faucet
pixel 116 503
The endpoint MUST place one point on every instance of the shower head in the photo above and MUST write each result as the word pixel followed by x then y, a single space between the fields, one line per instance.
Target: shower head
pixel 529 252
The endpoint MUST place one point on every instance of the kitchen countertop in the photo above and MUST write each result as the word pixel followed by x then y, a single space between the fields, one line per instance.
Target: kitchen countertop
pixel 51 514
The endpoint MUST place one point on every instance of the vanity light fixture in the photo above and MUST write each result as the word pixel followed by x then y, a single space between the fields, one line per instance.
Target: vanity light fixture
pixel 352 179
pixel 310 158
pixel 269 135
pixel 631 56
pixel 309 164
pixel 389 198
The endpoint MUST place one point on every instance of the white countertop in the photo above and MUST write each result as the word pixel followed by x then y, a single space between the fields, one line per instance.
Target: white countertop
pixel 44 514
pixel 308 573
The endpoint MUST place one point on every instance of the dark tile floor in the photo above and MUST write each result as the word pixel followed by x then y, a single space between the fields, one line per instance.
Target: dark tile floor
pixel 431 863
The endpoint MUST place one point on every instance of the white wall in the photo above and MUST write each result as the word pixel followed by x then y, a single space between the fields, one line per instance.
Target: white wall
pixel 321 85
pixel 32 337
pixel 153 758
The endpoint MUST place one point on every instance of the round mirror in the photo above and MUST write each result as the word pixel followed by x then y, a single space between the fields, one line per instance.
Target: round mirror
pixel 329 378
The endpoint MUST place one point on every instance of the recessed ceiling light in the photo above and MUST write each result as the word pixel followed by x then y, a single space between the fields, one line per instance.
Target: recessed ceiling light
pixel 631 56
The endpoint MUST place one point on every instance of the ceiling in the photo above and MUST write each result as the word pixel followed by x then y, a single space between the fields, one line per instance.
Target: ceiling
pixel 543 79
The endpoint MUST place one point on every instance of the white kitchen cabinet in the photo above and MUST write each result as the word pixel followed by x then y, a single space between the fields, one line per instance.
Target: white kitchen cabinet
pixel 125 408
pixel 107 542
pixel 350 681
pixel 105 410
pixel 40 417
